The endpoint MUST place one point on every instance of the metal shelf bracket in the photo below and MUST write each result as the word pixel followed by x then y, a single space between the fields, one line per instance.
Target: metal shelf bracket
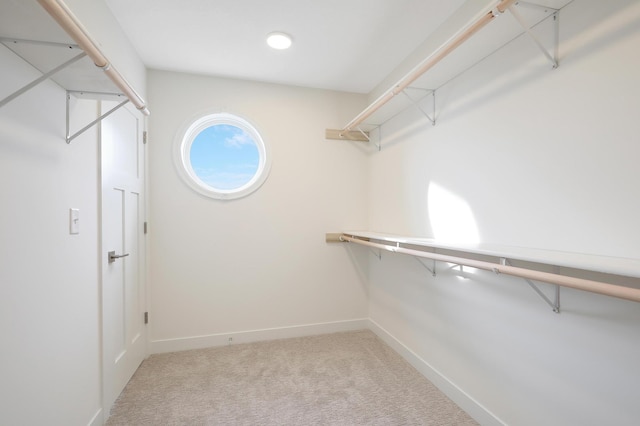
pixel 431 269
pixel 69 137
pixel 416 103
pixel 363 133
pixel 44 76
pixel 552 57
pixel 555 304
pixel 367 134
pixel 10 43
pixel 378 254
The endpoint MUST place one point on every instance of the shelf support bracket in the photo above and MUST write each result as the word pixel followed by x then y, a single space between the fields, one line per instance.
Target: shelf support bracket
pixel 431 269
pixel 378 254
pixel 552 58
pixel 555 304
pixel 364 134
pixel 416 103
pixel 70 137
pixel 40 79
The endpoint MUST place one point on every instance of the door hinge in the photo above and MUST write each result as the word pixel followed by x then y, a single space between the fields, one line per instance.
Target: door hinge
pixel 144 137
pixel 146 317
pixel 145 227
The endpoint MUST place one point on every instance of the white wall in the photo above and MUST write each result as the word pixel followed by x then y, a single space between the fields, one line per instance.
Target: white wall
pixel 525 156
pixel 50 361
pixel 220 269
pixel 49 323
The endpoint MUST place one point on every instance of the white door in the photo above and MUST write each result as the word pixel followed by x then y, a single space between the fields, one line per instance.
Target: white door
pixel 123 290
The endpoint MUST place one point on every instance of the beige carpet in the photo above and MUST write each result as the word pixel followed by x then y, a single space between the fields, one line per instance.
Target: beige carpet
pixel 337 379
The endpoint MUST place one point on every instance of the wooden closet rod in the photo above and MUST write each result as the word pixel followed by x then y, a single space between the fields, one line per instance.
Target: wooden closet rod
pixel 66 19
pixel 607 289
pixel 428 63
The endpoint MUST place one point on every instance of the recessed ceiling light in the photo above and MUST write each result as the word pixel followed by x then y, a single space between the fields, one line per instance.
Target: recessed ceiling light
pixel 278 40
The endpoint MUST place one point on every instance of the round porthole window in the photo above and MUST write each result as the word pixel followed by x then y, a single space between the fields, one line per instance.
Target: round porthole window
pixel 223 156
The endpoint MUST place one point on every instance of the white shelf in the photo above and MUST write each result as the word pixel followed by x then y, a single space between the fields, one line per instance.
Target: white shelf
pixel 28 30
pixel 588 262
pixel 501 31
pixel 81 76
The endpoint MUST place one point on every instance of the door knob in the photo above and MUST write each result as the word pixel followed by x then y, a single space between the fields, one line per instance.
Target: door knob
pixel 113 256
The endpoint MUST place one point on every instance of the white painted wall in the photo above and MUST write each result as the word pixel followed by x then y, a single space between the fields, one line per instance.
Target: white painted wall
pixel 221 269
pixel 49 323
pixel 524 156
pixel 50 360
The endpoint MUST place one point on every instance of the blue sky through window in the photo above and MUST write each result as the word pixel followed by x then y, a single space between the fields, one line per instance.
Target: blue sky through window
pixel 224 156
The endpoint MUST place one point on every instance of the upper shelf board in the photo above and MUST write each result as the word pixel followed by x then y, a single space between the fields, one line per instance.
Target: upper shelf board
pixel 498 33
pixel 80 76
pixel 24 21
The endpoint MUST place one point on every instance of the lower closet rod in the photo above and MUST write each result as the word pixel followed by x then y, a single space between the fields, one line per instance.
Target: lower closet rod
pixel 607 289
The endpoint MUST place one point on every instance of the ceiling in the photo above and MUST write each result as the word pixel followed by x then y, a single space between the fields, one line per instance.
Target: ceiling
pixel 347 45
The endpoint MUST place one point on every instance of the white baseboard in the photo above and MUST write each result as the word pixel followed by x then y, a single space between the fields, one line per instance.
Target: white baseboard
pixel 222 339
pixel 476 410
pixel 97 419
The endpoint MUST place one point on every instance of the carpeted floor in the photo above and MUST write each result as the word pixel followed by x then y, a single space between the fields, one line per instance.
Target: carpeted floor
pixel 336 379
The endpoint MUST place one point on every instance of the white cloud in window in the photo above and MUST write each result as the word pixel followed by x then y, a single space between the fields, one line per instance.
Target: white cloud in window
pixel 238 140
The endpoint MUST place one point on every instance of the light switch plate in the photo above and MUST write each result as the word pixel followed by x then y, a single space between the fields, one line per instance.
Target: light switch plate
pixel 74 221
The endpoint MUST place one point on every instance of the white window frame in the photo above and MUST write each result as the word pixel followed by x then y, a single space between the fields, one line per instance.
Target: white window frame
pixel 183 162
